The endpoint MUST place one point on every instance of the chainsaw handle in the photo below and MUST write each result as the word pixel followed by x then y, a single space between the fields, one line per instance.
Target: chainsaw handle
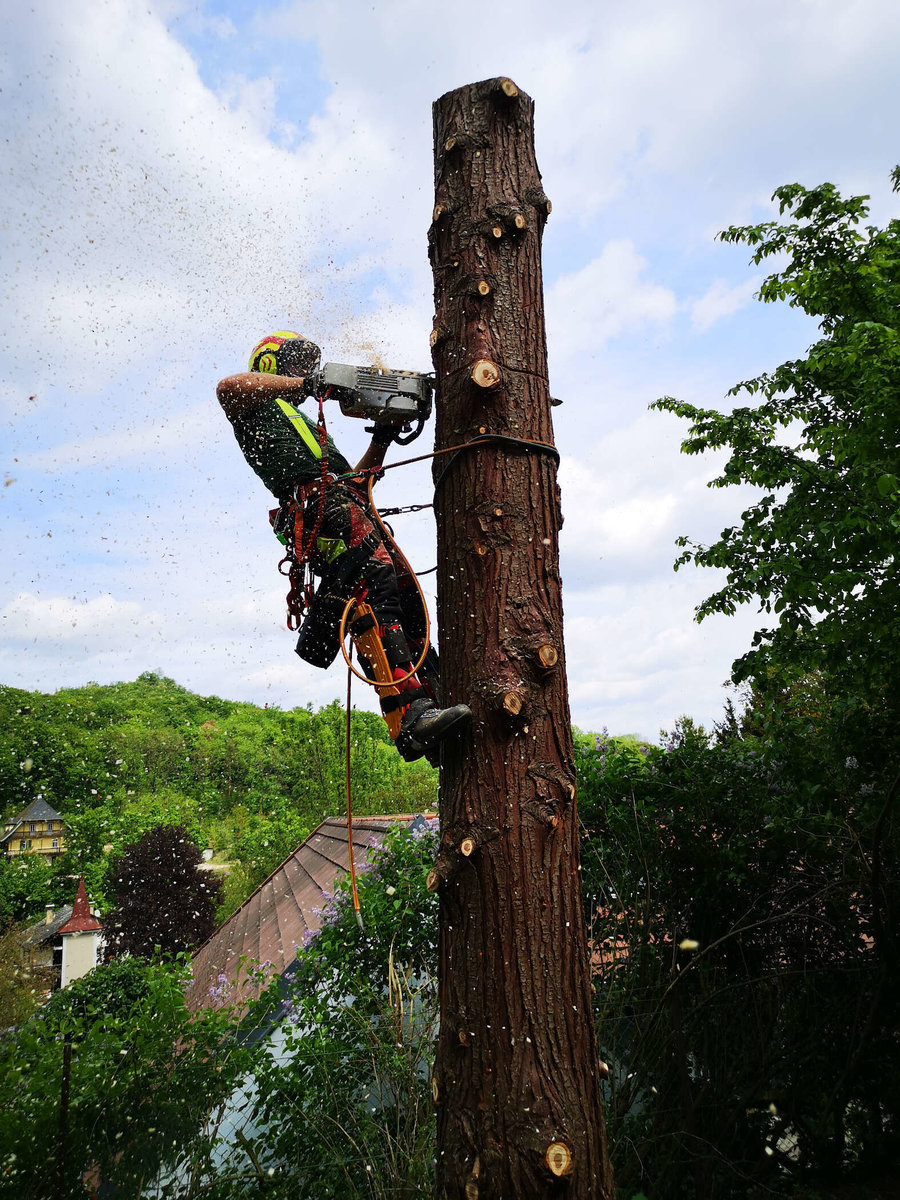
pixel 411 436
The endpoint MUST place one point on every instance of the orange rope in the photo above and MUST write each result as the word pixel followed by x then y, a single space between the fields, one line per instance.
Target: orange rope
pixel 359 919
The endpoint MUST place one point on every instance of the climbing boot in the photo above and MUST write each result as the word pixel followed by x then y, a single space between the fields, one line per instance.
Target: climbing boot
pixel 425 726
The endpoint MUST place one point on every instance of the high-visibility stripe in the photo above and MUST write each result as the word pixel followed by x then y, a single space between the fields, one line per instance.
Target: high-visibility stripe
pixel 300 425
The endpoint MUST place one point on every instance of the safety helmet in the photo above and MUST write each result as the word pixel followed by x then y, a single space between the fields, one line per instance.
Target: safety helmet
pixel 285 353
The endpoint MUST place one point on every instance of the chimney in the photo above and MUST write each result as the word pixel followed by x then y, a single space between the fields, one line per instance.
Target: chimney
pixel 48 915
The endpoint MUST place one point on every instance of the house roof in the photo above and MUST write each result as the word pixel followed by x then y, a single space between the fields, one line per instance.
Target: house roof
pixel 37 810
pixel 283 911
pixel 36 935
pixel 82 920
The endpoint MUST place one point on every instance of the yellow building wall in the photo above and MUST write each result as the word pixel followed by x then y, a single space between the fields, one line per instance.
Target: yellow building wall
pixel 41 841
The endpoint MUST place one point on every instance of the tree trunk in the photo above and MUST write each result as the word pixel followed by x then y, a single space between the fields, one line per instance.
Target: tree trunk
pixel 516 1078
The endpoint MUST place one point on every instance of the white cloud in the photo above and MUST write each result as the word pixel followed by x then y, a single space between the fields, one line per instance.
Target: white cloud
pixel 602 514
pixel 720 300
pixel 641 660
pixel 102 620
pixel 607 297
pixel 631 493
pixel 161 214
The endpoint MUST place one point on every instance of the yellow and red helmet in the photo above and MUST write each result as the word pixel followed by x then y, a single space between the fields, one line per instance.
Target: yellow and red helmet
pixel 285 353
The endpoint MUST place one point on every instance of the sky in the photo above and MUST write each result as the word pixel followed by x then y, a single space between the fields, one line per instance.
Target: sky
pixel 179 179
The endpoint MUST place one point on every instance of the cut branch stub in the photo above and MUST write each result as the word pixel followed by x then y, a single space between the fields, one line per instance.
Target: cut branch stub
pixel 508 88
pixel 504 215
pixel 467 847
pixel 458 140
pixel 444 867
pixel 486 373
pixel 541 201
pixel 548 656
pixel 558 1158
pixel 514 702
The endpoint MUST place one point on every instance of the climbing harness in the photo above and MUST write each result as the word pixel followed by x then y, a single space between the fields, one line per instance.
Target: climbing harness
pixel 288 519
pixel 304 547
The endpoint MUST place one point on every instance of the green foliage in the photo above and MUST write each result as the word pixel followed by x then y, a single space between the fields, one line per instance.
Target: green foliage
pixel 118 760
pixel 819 548
pixel 27 884
pixel 107 828
pixel 741 894
pixel 151 738
pixel 142 1073
pixel 262 842
pixel 399 920
pixel 340 1103
pixel 743 887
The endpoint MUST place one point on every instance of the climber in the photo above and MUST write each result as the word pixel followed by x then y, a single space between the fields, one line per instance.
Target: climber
pixel 327 527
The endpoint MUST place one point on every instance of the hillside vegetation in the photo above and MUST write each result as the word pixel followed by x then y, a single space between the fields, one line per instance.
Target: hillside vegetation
pixel 250 782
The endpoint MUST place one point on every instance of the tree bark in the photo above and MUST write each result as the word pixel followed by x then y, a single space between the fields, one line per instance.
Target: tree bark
pixel 516 1077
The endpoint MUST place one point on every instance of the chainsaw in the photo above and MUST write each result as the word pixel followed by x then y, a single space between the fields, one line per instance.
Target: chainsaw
pixel 401 398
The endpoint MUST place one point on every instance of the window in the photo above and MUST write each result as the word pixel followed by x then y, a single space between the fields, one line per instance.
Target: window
pixel 32 828
pixel 55 843
pixel 24 845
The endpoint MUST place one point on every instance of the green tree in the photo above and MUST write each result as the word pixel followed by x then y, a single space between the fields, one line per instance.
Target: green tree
pixel 265 841
pixel 747 971
pixel 774 851
pixel 819 547
pixel 144 1074
pixel 27 883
